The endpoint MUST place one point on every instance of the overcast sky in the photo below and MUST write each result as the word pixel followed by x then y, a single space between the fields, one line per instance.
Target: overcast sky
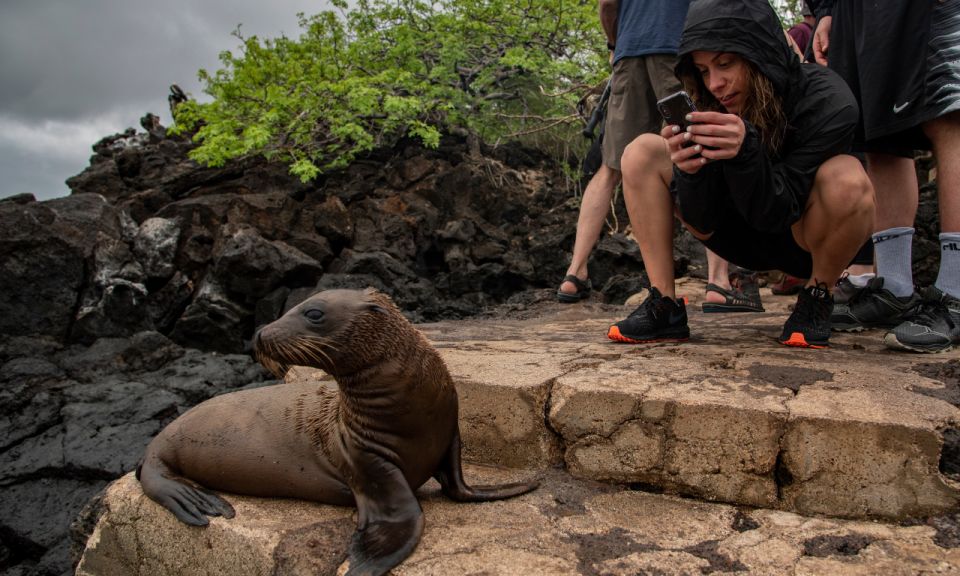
pixel 74 71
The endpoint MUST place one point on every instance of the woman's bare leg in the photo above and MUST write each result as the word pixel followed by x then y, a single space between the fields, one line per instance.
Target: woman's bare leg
pixel 647 173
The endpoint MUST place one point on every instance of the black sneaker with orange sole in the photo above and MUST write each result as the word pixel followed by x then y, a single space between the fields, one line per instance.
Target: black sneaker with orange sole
pixel 809 324
pixel 657 319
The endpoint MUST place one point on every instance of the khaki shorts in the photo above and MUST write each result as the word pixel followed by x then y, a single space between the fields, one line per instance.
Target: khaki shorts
pixel 638 83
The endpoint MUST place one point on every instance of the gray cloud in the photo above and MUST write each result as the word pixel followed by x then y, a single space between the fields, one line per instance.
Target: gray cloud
pixel 76 70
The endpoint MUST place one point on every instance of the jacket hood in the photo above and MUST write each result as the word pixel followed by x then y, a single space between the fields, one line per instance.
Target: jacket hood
pixel 749 28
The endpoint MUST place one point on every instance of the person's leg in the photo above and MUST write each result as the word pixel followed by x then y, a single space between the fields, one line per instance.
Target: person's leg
pixel 935 327
pixel 888 299
pixel 837 219
pixel 726 292
pixel 718 272
pixel 894 180
pixel 594 207
pixel 630 111
pixel 944 134
pixel 647 174
pixel 839 216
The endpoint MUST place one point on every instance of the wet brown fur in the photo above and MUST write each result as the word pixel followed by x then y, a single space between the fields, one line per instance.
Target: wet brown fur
pixel 388 425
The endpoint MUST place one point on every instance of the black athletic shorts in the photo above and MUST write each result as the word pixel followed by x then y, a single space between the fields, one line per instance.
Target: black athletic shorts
pixel 901 62
pixel 735 241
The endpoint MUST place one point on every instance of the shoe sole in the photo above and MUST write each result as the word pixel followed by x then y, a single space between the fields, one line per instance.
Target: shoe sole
pixel 565 298
pixel 848 327
pixel 862 327
pixel 797 340
pixel 615 335
pixel 717 307
pixel 891 341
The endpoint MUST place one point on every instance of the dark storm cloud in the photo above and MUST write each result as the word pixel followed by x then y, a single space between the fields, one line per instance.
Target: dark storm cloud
pixel 76 70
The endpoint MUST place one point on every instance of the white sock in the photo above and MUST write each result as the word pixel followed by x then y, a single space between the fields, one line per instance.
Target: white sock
pixel 860 280
pixel 893 249
pixel 948 279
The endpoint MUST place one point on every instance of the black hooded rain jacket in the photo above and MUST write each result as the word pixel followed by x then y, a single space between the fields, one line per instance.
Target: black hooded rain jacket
pixel 767 194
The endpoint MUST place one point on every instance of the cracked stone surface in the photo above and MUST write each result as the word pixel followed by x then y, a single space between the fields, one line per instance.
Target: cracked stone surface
pixel 855 431
pixel 567 526
pixel 840 461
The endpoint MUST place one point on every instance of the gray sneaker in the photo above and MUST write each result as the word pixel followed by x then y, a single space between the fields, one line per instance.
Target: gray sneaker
pixel 934 328
pixel 845 289
pixel 873 307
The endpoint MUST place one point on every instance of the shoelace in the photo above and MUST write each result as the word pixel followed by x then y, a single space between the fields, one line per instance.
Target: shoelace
pixel 930 310
pixel 656 305
pixel 640 310
pixel 844 280
pixel 809 307
pixel 861 293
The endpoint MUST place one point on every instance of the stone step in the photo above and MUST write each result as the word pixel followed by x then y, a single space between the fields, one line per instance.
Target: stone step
pixel 856 430
pixel 565 527
pixel 853 431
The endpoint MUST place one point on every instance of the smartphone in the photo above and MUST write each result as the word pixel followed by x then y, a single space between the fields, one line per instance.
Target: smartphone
pixel 674 109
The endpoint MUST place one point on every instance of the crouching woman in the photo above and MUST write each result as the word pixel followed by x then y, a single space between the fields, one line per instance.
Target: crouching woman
pixel 762 176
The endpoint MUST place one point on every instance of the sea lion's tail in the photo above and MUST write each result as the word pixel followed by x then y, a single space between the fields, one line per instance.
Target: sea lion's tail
pixel 465 493
pixel 450 476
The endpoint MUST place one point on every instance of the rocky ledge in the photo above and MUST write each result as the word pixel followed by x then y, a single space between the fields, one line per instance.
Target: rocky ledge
pixel 791 440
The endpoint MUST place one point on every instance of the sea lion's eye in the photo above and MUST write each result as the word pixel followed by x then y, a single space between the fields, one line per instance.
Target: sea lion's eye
pixel 314 315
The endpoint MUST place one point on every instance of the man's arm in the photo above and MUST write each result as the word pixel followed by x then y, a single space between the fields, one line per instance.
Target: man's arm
pixel 608 19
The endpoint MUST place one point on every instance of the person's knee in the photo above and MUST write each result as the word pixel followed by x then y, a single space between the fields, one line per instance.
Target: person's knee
pixel 845 189
pixel 606 179
pixel 638 157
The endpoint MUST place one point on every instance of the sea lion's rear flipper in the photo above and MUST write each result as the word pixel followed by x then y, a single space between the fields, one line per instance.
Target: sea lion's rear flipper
pixel 389 522
pixel 190 503
pixel 450 476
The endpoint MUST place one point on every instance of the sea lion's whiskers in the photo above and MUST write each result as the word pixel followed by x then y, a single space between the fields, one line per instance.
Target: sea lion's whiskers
pixel 272 366
pixel 321 341
pixel 317 356
pixel 315 348
pixel 294 352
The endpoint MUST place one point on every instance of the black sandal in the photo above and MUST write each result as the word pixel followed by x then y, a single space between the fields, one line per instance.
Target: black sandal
pixel 733 301
pixel 583 290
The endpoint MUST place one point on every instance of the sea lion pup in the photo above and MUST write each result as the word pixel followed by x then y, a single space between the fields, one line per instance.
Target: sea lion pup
pixel 389 425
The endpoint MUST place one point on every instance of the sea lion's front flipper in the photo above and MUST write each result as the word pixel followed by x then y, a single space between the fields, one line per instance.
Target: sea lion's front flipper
pixel 389 523
pixel 189 502
pixel 450 476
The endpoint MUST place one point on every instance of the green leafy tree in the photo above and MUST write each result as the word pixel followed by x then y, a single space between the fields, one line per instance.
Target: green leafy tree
pixel 790 11
pixel 363 76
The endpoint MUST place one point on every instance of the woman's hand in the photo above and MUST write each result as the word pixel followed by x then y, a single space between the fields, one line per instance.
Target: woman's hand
pixel 713 136
pixel 686 158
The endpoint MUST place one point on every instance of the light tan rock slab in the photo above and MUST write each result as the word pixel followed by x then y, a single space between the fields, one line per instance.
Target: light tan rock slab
pixel 565 527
